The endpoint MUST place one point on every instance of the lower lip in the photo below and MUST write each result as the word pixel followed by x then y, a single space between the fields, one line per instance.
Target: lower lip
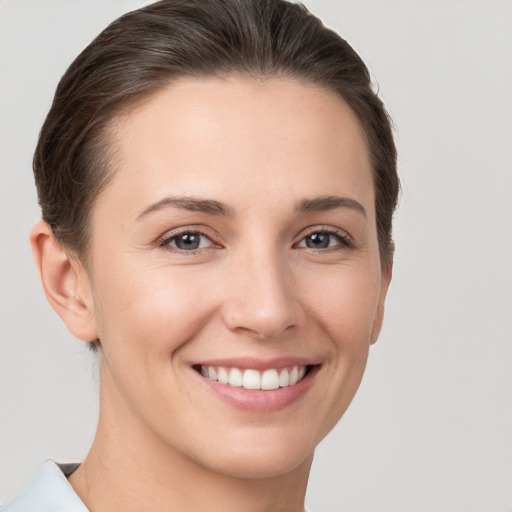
pixel 258 400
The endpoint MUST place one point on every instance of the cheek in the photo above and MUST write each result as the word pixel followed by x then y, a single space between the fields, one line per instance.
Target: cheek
pixel 342 305
pixel 149 309
pixel 146 316
pixel 345 303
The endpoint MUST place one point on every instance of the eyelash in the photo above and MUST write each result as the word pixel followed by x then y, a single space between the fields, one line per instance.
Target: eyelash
pixel 165 242
pixel 344 240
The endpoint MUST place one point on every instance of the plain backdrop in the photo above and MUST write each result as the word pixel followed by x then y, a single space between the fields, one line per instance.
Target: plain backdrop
pixel 431 426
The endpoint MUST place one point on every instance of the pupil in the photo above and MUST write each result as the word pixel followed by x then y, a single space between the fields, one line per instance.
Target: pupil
pixel 188 241
pixel 318 240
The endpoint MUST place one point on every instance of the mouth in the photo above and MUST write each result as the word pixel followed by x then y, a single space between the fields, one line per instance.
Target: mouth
pixel 256 385
pixel 253 379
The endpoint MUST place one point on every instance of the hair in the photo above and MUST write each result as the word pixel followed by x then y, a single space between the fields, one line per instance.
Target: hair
pixel 145 50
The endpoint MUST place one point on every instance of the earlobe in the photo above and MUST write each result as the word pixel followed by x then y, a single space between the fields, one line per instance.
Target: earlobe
pixel 65 283
pixel 379 316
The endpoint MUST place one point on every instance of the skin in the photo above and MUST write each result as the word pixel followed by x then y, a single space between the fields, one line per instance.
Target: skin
pixel 253 289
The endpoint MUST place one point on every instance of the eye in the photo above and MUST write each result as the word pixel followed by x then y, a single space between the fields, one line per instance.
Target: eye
pixel 325 240
pixel 187 241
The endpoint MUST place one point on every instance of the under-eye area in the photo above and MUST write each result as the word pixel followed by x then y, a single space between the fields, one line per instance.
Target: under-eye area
pixel 248 378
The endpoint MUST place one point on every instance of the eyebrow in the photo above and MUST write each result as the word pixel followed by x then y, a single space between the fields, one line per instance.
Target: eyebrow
pixel 323 203
pixel 192 204
pixel 212 207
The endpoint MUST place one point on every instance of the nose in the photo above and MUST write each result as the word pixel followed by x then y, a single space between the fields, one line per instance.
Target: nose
pixel 262 298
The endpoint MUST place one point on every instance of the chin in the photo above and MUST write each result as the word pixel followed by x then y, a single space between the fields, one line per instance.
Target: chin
pixel 258 467
pixel 267 456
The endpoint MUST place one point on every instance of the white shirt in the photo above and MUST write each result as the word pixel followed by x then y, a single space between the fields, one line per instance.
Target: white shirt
pixel 48 491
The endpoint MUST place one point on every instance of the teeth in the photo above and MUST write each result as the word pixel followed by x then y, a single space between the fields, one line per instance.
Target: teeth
pixel 253 379
pixel 284 378
pixel 270 379
pixel 294 375
pixel 222 375
pixel 235 377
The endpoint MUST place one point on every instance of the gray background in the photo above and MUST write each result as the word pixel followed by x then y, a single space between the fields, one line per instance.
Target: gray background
pixel 430 429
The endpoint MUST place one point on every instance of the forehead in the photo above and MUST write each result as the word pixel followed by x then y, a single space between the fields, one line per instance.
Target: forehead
pixel 237 138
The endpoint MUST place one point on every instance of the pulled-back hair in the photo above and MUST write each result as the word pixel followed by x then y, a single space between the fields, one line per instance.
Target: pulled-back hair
pixel 145 50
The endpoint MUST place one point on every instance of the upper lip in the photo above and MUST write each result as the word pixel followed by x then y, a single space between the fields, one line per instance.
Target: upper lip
pixel 245 363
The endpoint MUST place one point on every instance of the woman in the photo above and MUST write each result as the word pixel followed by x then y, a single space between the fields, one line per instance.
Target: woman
pixel 217 181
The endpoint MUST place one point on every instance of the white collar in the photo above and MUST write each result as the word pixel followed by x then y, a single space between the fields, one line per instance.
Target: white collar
pixel 48 491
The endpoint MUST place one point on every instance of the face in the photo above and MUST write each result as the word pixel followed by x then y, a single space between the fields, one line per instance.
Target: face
pixel 234 272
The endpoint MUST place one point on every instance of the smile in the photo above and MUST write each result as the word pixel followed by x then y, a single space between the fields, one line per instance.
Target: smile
pixel 259 386
pixel 267 380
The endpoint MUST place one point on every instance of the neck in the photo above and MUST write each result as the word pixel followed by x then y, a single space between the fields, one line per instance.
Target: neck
pixel 129 469
pixel 113 479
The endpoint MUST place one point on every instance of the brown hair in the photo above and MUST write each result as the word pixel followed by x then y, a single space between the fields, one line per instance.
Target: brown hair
pixel 144 50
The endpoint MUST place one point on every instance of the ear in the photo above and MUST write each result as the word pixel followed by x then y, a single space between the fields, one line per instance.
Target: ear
pixel 379 316
pixel 65 283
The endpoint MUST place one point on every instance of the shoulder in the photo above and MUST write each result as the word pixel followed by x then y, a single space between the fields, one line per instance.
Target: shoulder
pixel 49 491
